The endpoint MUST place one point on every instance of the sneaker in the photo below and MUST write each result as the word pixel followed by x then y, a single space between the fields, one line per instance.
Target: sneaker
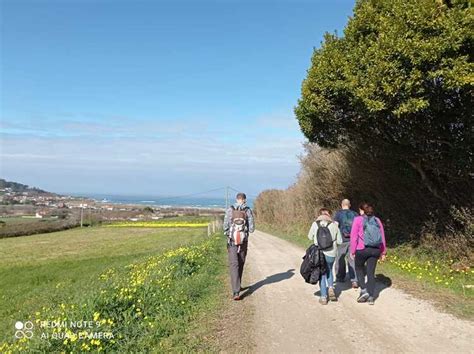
pixel 236 296
pixel 371 300
pixel 323 301
pixel 332 294
pixel 363 297
pixel 355 285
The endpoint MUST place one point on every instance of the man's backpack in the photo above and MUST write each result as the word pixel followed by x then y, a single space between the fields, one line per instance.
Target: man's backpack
pixel 238 228
pixel 372 232
pixel 346 223
pixel 323 236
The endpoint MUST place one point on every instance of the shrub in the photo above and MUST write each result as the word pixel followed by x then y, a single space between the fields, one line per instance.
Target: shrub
pixel 329 175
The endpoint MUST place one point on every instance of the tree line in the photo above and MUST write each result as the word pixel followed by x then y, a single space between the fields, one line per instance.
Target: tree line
pixel 387 111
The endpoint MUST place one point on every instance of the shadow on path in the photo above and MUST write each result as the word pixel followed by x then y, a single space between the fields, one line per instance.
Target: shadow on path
pixel 382 282
pixel 275 278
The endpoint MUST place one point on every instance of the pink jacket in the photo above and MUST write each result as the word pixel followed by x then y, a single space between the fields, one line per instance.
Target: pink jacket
pixel 357 235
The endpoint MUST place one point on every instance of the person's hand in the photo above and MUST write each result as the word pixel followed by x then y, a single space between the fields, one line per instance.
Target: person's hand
pixel 352 256
pixel 382 258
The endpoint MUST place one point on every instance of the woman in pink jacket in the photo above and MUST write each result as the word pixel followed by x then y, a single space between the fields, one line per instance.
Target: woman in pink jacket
pixel 367 245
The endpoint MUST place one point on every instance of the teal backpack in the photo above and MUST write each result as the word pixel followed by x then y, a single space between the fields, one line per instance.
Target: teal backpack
pixel 372 232
pixel 346 225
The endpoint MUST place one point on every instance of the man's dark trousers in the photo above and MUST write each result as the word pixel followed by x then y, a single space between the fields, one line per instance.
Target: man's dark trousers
pixel 236 264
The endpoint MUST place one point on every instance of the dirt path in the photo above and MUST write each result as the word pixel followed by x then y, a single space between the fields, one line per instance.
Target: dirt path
pixel 288 317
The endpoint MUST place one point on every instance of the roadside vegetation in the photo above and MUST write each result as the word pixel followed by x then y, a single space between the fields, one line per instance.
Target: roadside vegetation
pixel 189 221
pixel 63 219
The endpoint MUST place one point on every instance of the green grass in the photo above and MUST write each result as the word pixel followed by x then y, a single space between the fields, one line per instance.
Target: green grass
pixel 432 276
pixel 20 220
pixel 453 299
pixel 42 273
pixel 428 276
pixel 176 219
pixel 76 245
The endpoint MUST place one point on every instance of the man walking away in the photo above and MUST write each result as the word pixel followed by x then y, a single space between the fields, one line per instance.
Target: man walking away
pixel 238 223
pixel 345 217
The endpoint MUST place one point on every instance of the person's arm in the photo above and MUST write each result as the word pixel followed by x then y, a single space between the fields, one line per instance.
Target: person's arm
pixel 312 232
pixel 338 236
pixel 337 218
pixel 354 235
pixel 227 218
pixel 250 220
pixel 383 247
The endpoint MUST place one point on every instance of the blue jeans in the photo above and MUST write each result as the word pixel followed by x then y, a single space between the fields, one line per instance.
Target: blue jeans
pixel 327 280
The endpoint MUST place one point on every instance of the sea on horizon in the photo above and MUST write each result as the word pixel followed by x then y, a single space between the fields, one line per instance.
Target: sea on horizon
pixel 161 201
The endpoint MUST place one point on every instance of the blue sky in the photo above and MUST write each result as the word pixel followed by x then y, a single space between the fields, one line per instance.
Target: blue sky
pixel 156 97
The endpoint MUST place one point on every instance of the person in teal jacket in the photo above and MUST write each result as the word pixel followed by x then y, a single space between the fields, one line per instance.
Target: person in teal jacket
pixel 344 218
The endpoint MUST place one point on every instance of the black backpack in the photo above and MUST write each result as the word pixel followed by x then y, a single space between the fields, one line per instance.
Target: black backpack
pixel 308 265
pixel 314 265
pixel 323 236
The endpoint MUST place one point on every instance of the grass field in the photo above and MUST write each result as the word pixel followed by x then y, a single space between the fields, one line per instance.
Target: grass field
pixel 102 274
pixel 19 219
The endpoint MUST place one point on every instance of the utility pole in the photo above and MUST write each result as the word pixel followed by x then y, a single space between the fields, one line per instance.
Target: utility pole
pixel 82 212
pixel 226 197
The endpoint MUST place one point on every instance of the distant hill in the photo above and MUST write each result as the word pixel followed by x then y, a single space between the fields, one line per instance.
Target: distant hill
pixel 19 187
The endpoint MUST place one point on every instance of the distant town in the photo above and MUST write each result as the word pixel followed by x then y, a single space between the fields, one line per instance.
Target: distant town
pixel 17 194
pixel 21 205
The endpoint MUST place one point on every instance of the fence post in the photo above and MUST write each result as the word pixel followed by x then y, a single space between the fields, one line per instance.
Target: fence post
pixel 208 230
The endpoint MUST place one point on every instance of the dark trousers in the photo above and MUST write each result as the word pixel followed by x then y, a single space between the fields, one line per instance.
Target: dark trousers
pixel 236 264
pixel 340 265
pixel 366 259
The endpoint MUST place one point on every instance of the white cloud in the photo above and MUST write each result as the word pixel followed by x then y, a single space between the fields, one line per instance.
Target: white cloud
pixel 164 153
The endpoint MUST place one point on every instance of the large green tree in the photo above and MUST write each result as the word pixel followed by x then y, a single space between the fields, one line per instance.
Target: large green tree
pixel 398 83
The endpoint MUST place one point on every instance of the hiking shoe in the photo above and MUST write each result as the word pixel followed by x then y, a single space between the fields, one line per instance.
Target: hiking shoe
pixel 236 296
pixel 323 301
pixel 355 285
pixel 363 297
pixel 371 300
pixel 332 294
